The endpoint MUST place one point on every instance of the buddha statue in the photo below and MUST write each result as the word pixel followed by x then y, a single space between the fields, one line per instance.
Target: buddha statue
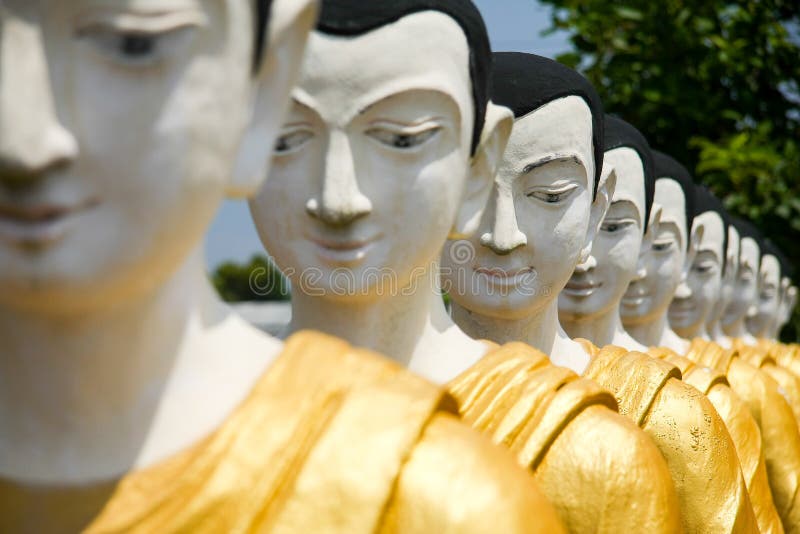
pixel 131 398
pixel 695 296
pixel 549 200
pixel 588 306
pixel 763 396
pixel 763 315
pixel 664 265
pixel 746 286
pixel 730 272
pixel 369 179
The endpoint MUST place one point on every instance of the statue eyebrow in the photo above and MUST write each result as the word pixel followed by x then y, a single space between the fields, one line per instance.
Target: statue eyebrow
pixel 551 159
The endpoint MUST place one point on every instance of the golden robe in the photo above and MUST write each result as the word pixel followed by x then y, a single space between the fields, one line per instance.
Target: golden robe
pixel 743 429
pixel 787 356
pixel 772 412
pixel 689 433
pixel 332 439
pixel 760 358
pixel 602 473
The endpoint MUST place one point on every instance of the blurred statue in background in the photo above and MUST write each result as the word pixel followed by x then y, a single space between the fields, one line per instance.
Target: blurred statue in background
pixel 589 304
pixel 664 265
pixel 696 295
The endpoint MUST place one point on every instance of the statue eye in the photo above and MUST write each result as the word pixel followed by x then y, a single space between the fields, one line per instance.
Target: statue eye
pixel 614 226
pixel 704 268
pixel 135 48
pixel 662 246
pixel 400 140
pixel 292 141
pixel 551 197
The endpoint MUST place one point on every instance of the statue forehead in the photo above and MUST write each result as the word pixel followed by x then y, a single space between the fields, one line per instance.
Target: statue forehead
pixel 749 251
pixel 426 50
pixel 670 198
pixel 770 269
pixel 561 128
pixel 713 237
pixel 629 170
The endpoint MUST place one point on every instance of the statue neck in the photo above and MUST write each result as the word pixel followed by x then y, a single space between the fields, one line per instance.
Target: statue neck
pixel 91 396
pixel 602 329
pixel 411 327
pixel 714 327
pixel 738 329
pixel 657 333
pixel 541 330
pixel 693 332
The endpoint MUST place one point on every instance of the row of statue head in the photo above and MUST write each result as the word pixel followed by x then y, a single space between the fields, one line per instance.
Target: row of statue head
pixel 506 162
pixel 411 178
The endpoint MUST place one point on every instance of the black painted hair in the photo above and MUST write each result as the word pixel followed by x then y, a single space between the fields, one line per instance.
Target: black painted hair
pixel 619 134
pixel 525 82
pixel 348 18
pixel 705 201
pixel 668 167
pixel 263 8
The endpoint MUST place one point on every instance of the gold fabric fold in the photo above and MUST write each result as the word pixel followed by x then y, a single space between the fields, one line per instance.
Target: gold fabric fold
pixel 775 419
pixel 333 439
pixel 743 429
pixel 601 472
pixel 761 358
pixel 690 434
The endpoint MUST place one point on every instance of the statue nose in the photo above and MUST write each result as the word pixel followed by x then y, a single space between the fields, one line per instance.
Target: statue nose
pixel 586 266
pixel 505 235
pixel 340 202
pixel 33 142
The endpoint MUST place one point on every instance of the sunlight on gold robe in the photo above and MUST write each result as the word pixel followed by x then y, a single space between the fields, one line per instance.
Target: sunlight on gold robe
pixel 689 433
pixel 760 358
pixel 333 439
pixel 743 429
pixel 601 472
pixel 772 412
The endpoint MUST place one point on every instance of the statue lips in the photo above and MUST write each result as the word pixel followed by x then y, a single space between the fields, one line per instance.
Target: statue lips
pixel 681 312
pixel 634 297
pixel 344 251
pixel 581 288
pixel 507 277
pixel 39 225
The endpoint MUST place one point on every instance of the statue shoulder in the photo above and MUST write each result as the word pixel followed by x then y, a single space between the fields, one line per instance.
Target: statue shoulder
pixel 688 432
pixel 631 489
pixel 457 481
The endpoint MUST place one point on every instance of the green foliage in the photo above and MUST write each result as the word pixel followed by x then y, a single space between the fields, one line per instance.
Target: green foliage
pixel 716 84
pixel 257 280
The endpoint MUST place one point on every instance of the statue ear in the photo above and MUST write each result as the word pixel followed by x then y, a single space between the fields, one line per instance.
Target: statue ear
pixel 599 209
pixel 483 169
pixel 695 237
pixel 290 23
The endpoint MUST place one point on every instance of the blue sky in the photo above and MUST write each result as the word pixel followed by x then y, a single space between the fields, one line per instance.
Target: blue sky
pixel 513 25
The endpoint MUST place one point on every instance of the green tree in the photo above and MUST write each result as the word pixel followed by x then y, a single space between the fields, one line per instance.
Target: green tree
pixel 716 84
pixel 257 280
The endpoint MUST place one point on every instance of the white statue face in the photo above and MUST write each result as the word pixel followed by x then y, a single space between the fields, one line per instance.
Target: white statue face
pixel 694 301
pixel 767 301
pixel 746 286
pixel 374 158
pixel 731 272
pixel 784 309
pixel 598 284
pixel 120 124
pixel 789 305
pixel 535 227
pixel 661 261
